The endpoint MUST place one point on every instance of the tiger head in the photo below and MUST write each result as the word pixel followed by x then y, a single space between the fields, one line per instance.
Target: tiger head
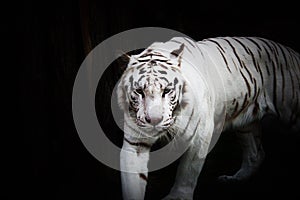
pixel 151 89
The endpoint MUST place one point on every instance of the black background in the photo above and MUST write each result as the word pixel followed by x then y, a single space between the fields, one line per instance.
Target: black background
pixel 58 36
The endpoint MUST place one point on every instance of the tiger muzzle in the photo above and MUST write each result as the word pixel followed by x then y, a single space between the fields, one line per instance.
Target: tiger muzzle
pixel 153 111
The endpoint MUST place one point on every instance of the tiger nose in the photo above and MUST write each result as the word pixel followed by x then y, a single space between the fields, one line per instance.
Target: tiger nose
pixel 153 120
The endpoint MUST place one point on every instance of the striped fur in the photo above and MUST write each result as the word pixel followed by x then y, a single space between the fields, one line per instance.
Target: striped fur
pixel 268 75
pixel 243 78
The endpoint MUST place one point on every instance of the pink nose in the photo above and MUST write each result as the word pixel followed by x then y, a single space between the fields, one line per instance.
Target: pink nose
pixel 154 120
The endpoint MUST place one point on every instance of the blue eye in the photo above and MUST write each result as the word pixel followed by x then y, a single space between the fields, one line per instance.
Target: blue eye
pixel 140 92
pixel 166 91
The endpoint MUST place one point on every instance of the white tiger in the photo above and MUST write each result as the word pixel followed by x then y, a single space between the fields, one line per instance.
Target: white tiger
pixel 258 77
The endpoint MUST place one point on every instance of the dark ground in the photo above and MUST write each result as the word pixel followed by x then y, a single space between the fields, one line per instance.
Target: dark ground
pixel 58 35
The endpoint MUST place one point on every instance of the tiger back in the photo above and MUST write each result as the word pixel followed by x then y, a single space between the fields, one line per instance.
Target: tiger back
pixel 216 84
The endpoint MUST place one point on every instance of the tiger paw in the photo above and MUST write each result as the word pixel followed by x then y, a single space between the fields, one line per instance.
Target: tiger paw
pixel 228 179
pixel 175 197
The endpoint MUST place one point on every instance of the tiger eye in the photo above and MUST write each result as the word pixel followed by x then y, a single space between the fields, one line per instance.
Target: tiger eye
pixel 166 91
pixel 140 92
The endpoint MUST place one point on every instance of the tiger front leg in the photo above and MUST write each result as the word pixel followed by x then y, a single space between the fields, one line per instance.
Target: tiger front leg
pixel 187 175
pixel 134 172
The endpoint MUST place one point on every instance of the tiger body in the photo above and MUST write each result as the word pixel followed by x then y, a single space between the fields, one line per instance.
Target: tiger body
pixel 268 77
pixel 219 83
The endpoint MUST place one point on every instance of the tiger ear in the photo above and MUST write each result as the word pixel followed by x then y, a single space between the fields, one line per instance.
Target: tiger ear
pixel 124 59
pixel 123 56
pixel 177 53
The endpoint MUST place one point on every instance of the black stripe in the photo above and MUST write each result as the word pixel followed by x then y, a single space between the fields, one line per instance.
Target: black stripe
pixel 147 60
pixel 267 67
pixel 159 60
pixel 254 42
pixel 173 102
pixel 248 72
pixel 142 71
pixel 141 65
pixel 257 45
pixel 261 74
pixel 283 82
pixel 253 59
pixel 266 50
pixel 189 42
pixel 267 43
pixel 143 176
pixel 295 111
pixel 256 108
pixel 233 101
pixel 276 55
pixel 160 64
pixel 297 60
pixel 297 70
pixel 258 92
pixel 275 88
pixel 211 40
pixel 275 47
pixel 175 81
pixel 284 56
pixel 294 66
pixel 142 57
pixel 242 44
pixel 235 109
pixel 162 72
pixel 255 89
pixel 197 125
pixel 139 144
pixel 235 53
pixel 163 78
pixel 184 88
pixel 175 69
pixel 141 78
pixel 158 55
pixel 293 86
pixel 236 67
pixel 131 81
pixel 224 60
pixel 247 83
pixel 131 106
pixel 245 103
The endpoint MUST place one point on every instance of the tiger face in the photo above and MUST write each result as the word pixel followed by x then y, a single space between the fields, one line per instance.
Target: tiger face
pixel 151 90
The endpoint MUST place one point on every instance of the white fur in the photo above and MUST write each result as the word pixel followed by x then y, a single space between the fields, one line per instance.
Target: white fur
pixel 215 89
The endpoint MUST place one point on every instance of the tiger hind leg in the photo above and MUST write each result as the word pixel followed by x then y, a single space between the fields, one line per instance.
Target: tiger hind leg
pixel 253 154
pixel 296 126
